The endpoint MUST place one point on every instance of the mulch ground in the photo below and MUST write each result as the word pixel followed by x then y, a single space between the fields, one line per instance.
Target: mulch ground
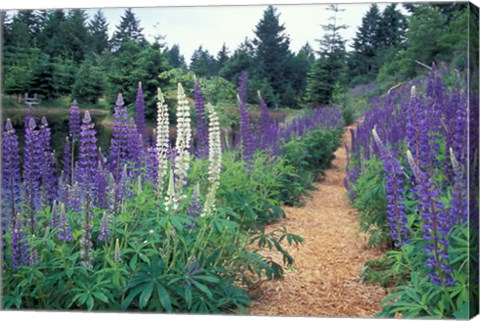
pixel 323 281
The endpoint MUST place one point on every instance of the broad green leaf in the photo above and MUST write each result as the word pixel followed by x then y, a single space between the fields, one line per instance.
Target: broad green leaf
pixel 145 295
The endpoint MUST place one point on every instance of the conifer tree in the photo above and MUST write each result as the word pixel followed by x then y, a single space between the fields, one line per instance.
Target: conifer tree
pixel 99 32
pixel 222 57
pixel 174 57
pixel 367 42
pixel 272 54
pixel 128 30
pixel 329 69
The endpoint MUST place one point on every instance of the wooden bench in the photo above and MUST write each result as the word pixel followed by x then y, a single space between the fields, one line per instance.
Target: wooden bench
pixel 29 101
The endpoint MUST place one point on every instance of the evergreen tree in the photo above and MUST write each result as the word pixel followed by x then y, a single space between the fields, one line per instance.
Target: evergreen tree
pixel 77 36
pixel 298 69
pixel 222 57
pixel 307 52
pixel 272 54
pixel 175 59
pixel 329 69
pixel 128 29
pixel 98 28
pixel 133 64
pixel 151 62
pixel 392 27
pixel 367 42
pixel 202 63
pixel 18 70
pixel 241 60
pixel 5 22
pixel 44 82
pixel 23 29
pixel 53 36
pixel 89 84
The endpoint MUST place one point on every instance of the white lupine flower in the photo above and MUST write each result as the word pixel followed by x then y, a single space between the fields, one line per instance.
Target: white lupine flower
pixel 215 159
pixel 171 199
pixel 184 137
pixel 162 138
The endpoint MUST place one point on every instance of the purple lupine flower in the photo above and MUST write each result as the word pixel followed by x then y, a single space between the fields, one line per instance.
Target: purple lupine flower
pixel 74 124
pixel 101 186
pixel 460 132
pixel 48 164
pixel 119 143
pixel 32 171
pixel 472 158
pixel 11 180
pixel 396 210
pixel 140 114
pixel 152 164
pixel 20 251
pixel 123 187
pixel 246 133
pixel 201 127
pixel 195 207
pixel 104 229
pixel 88 157
pixel 134 149
pixel 53 215
pixel 459 201
pixel 64 230
pixel 68 162
pixel 112 195
pixel 435 225
pixel 242 87
pixel 419 133
pixel 87 168
pixel 75 198
pixel 266 125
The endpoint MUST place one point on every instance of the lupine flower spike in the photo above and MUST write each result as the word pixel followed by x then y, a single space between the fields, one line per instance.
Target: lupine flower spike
pixel 435 226
pixel 162 140
pixel 171 199
pixel 215 160
pixel 184 136
pixel 396 210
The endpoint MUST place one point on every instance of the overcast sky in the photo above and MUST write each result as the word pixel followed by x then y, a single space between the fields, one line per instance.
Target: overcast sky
pixel 212 26
pixel 209 24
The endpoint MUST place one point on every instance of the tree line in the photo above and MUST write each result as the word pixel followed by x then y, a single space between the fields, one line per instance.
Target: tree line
pixel 57 53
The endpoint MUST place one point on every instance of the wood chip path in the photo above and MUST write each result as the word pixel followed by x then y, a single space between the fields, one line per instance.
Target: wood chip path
pixel 323 281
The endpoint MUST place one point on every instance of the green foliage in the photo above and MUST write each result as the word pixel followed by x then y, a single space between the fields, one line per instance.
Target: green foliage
pixel 98 28
pixel 329 69
pixel 134 63
pixel 165 263
pixel 309 156
pixel 203 63
pixel 128 30
pixel 388 271
pixel 175 59
pixel 90 82
pixel 420 298
pixel 253 191
pixel 342 100
pixel 371 202
pixel 218 90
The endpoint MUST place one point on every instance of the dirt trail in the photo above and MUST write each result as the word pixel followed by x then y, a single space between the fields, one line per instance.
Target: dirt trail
pixel 324 279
